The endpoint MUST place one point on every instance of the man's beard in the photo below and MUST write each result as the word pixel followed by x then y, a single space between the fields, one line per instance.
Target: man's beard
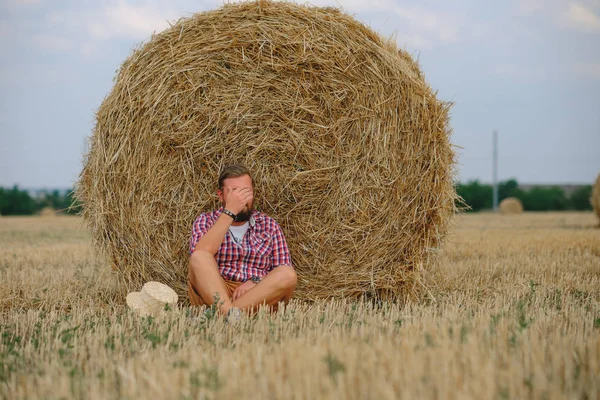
pixel 244 215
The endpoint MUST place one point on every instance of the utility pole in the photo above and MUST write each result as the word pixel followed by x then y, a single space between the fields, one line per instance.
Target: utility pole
pixel 495 170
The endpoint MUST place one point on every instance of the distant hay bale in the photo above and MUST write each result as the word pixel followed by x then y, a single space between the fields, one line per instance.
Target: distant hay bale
pixel 48 212
pixel 595 199
pixel 511 205
pixel 348 144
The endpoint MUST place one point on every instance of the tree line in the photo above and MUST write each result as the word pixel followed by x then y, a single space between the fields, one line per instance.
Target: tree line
pixel 478 196
pixel 16 201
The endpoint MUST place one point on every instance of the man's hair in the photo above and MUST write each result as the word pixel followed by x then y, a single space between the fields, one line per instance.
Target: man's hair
pixel 233 171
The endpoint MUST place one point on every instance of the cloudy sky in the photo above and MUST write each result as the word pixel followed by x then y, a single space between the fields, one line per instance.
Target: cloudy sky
pixel 529 68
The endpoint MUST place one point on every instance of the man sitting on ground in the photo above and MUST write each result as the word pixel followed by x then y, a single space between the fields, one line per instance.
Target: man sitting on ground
pixel 237 254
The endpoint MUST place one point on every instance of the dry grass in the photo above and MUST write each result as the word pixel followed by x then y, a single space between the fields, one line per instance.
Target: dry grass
pixel 348 144
pixel 512 312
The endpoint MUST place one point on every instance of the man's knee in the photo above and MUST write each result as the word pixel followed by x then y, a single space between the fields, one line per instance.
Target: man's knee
pixel 287 277
pixel 200 260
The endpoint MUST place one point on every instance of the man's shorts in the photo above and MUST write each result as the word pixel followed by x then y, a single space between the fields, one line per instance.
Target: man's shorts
pixel 196 299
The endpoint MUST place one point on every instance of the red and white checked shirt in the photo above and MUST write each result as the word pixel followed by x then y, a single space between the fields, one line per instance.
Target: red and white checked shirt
pixel 262 249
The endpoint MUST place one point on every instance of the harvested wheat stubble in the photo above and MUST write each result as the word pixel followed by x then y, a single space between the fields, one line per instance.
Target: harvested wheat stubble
pixel 349 146
pixel 511 205
pixel 595 199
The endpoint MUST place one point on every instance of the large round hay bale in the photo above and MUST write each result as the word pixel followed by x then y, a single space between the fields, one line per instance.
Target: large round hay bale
pixel 511 205
pixel 595 199
pixel 348 144
pixel 48 212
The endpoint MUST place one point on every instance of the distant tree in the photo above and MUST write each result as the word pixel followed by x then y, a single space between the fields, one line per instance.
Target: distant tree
pixel 16 202
pixel 476 195
pixel 64 202
pixel 580 198
pixel 544 199
pixel 508 188
pixel 51 199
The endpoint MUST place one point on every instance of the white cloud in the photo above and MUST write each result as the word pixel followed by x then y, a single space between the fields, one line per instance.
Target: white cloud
pixel 93 28
pixel 581 15
pixel 129 21
pixel 581 18
pixel 443 26
pixel 422 28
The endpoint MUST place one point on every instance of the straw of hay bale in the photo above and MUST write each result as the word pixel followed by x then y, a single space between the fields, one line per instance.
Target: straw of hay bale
pixel 595 199
pixel 48 212
pixel 348 144
pixel 511 205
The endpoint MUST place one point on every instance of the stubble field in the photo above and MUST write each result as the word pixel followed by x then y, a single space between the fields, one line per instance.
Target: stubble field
pixel 512 311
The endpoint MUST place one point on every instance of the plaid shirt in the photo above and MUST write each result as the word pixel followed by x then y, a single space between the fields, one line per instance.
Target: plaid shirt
pixel 262 249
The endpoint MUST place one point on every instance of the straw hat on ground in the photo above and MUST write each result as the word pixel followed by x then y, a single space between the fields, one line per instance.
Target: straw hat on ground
pixel 153 298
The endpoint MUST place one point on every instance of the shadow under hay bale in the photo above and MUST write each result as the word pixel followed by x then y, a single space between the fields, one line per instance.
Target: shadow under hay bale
pixel 348 144
pixel 511 206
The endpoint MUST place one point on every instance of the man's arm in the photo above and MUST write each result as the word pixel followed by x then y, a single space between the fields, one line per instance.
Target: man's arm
pixel 235 201
pixel 212 239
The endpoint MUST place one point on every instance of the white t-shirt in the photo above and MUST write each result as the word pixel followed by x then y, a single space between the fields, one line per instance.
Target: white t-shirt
pixel 238 232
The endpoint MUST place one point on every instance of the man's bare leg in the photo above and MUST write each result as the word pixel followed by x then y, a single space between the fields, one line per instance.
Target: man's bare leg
pixel 278 285
pixel 206 279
